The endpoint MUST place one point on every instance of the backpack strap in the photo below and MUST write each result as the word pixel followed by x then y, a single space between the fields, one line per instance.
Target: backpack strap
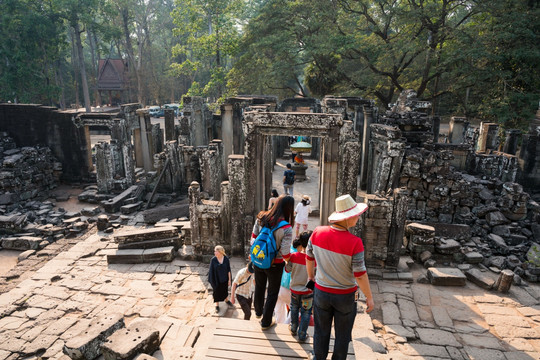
pixel 281 224
pixel 245 282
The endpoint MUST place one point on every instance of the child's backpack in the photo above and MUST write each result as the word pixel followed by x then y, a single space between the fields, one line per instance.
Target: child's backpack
pixel 264 249
pixel 289 177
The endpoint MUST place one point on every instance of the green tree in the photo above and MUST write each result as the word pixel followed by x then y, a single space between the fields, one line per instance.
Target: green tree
pixel 209 35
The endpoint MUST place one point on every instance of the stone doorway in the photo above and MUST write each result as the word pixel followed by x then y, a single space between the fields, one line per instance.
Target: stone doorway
pixel 340 155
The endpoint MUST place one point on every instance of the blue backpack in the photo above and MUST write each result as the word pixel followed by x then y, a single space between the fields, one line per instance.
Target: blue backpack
pixel 264 250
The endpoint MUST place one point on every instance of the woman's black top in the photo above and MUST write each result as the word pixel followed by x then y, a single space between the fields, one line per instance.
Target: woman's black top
pixel 219 273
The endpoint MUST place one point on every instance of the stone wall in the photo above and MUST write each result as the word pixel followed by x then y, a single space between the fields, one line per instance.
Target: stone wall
pixel 26 173
pixel 30 125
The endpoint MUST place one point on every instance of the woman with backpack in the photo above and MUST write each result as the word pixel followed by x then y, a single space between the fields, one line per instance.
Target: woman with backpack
pixel 278 221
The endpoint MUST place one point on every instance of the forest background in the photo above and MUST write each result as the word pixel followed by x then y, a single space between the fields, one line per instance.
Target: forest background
pixel 475 58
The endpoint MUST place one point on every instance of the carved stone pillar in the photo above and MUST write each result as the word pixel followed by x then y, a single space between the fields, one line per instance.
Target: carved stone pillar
pixel 146 139
pixel 487 138
pixel 511 142
pixel 329 176
pixel 366 135
pixel 227 133
pixel 170 133
pixel 194 200
pixel 237 204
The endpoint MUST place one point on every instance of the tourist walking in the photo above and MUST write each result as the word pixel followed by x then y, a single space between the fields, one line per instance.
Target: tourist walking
pixel 242 289
pixel 270 279
pixel 301 296
pixel 339 256
pixel 289 177
pixel 273 199
pixel 302 211
pixel 219 276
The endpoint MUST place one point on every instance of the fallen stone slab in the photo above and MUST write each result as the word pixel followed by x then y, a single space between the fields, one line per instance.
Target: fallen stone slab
pixel 25 255
pixel 175 242
pixel 22 243
pixel 152 216
pixel 164 254
pixel 447 246
pixel 131 208
pixel 446 277
pixel 87 344
pixel 124 344
pixel 146 235
pixel 482 279
pixel 114 204
pixel 498 243
pixel 495 218
pixel 126 256
pixel 90 211
pixel 474 257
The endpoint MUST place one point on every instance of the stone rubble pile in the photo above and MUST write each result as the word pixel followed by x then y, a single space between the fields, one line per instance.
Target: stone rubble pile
pixel 26 173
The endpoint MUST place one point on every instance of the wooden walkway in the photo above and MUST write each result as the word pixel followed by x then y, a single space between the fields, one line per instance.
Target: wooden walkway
pixel 244 340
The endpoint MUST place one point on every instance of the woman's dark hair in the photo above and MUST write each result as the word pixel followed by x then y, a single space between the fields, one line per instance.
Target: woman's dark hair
pixel 274 193
pixel 305 202
pixel 302 239
pixel 282 209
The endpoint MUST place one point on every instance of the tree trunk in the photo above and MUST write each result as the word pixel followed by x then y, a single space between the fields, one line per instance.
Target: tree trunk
pixel 82 67
pixel 93 45
pixel 130 52
pixel 60 83
pixel 75 70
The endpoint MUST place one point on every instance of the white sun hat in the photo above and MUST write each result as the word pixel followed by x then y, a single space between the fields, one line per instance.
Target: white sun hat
pixel 346 208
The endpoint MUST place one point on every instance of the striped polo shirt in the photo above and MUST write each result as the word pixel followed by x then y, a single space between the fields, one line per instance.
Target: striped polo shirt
pixel 340 259
pixel 297 267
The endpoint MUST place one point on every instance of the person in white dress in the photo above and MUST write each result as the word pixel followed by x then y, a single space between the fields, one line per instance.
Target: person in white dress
pixel 302 211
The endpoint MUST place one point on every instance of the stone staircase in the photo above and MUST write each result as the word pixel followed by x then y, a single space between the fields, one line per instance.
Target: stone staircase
pixel 158 244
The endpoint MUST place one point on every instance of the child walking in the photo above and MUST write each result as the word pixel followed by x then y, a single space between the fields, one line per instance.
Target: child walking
pixel 301 296
pixel 242 287
pixel 302 211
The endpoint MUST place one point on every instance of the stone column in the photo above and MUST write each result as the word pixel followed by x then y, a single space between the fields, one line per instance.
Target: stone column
pixel 191 164
pixel 157 138
pixel 387 148
pixel 216 167
pixel 511 142
pixel 487 138
pixel 366 135
pixel 348 167
pixel 194 200
pixel 89 148
pixel 146 139
pixel 129 164
pixel 227 133
pixel 329 177
pixel 436 128
pixel 204 155
pixel 457 130
pixel 174 176
pixel 137 145
pixel 104 175
pixel 226 221
pixel 170 133
pixel 397 227
pixel 237 200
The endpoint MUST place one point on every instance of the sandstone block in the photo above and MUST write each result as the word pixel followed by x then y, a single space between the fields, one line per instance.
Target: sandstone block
pixel 447 246
pixel 163 254
pixel 87 344
pixel 498 243
pixel 146 234
pixel 482 279
pixel 446 276
pixel 473 257
pixel 124 344
pixel 126 256
pixel 495 218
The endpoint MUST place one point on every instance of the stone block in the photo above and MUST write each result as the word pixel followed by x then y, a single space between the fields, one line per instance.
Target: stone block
pixel 420 229
pixel 176 242
pixel 126 256
pixel 515 239
pixel 124 344
pixel 152 216
pixel 22 243
pixel 482 279
pixel 473 257
pixel 447 246
pixel 498 243
pixel 91 211
pixel 87 344
pixel 446 276
pixel 495 218
pixel 146 234
pixel 131 208
pixel 163 254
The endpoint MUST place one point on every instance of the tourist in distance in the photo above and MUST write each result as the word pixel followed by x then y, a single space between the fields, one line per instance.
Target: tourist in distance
pixel 302 211
pixel 219 276
pixel 242 288
pixel 273 199
pixel 301 296
pixel 282 211
pixel 339 256
pixel 289 177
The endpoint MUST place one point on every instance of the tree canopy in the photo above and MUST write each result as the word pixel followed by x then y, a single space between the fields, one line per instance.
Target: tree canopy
pixel 470 57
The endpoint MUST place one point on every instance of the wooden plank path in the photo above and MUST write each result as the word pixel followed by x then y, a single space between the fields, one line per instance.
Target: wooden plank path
pixel 244 340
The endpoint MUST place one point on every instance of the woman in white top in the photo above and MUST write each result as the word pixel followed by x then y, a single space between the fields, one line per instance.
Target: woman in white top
pixel 302 211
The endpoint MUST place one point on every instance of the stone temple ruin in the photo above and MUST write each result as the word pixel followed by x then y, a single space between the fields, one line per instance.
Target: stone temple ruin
pixel 459 203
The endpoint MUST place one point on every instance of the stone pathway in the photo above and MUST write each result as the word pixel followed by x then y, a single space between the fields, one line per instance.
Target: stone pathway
pixel 411 320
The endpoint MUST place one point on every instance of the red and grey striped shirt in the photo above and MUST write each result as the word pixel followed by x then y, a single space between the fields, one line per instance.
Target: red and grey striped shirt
pixel 340 259
pixel 297 267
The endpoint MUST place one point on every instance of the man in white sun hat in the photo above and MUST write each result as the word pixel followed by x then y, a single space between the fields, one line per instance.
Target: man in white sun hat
pixel 340 268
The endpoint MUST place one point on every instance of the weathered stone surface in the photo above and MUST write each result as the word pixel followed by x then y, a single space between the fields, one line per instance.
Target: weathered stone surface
pixel 446 277
pixel 148 244
pixel 478 353
pixel 423 351
pixel 126 256
pixel 482 279
pixel 169 212
pixel 87 345
pixel 391 314
pixel 157 233
pixel 21 243
pixel 498 243
pixel 400 331
pixel 163 254
pixel 533 254
pixel 124 344
pixel 437 337
pixel 440 315
pixel 473 257
pixel 490 342
pixel 447 246
pixel 495 218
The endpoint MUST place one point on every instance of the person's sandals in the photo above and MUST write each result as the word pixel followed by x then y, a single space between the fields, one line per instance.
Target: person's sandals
pixel 228 302
pixel 269 326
